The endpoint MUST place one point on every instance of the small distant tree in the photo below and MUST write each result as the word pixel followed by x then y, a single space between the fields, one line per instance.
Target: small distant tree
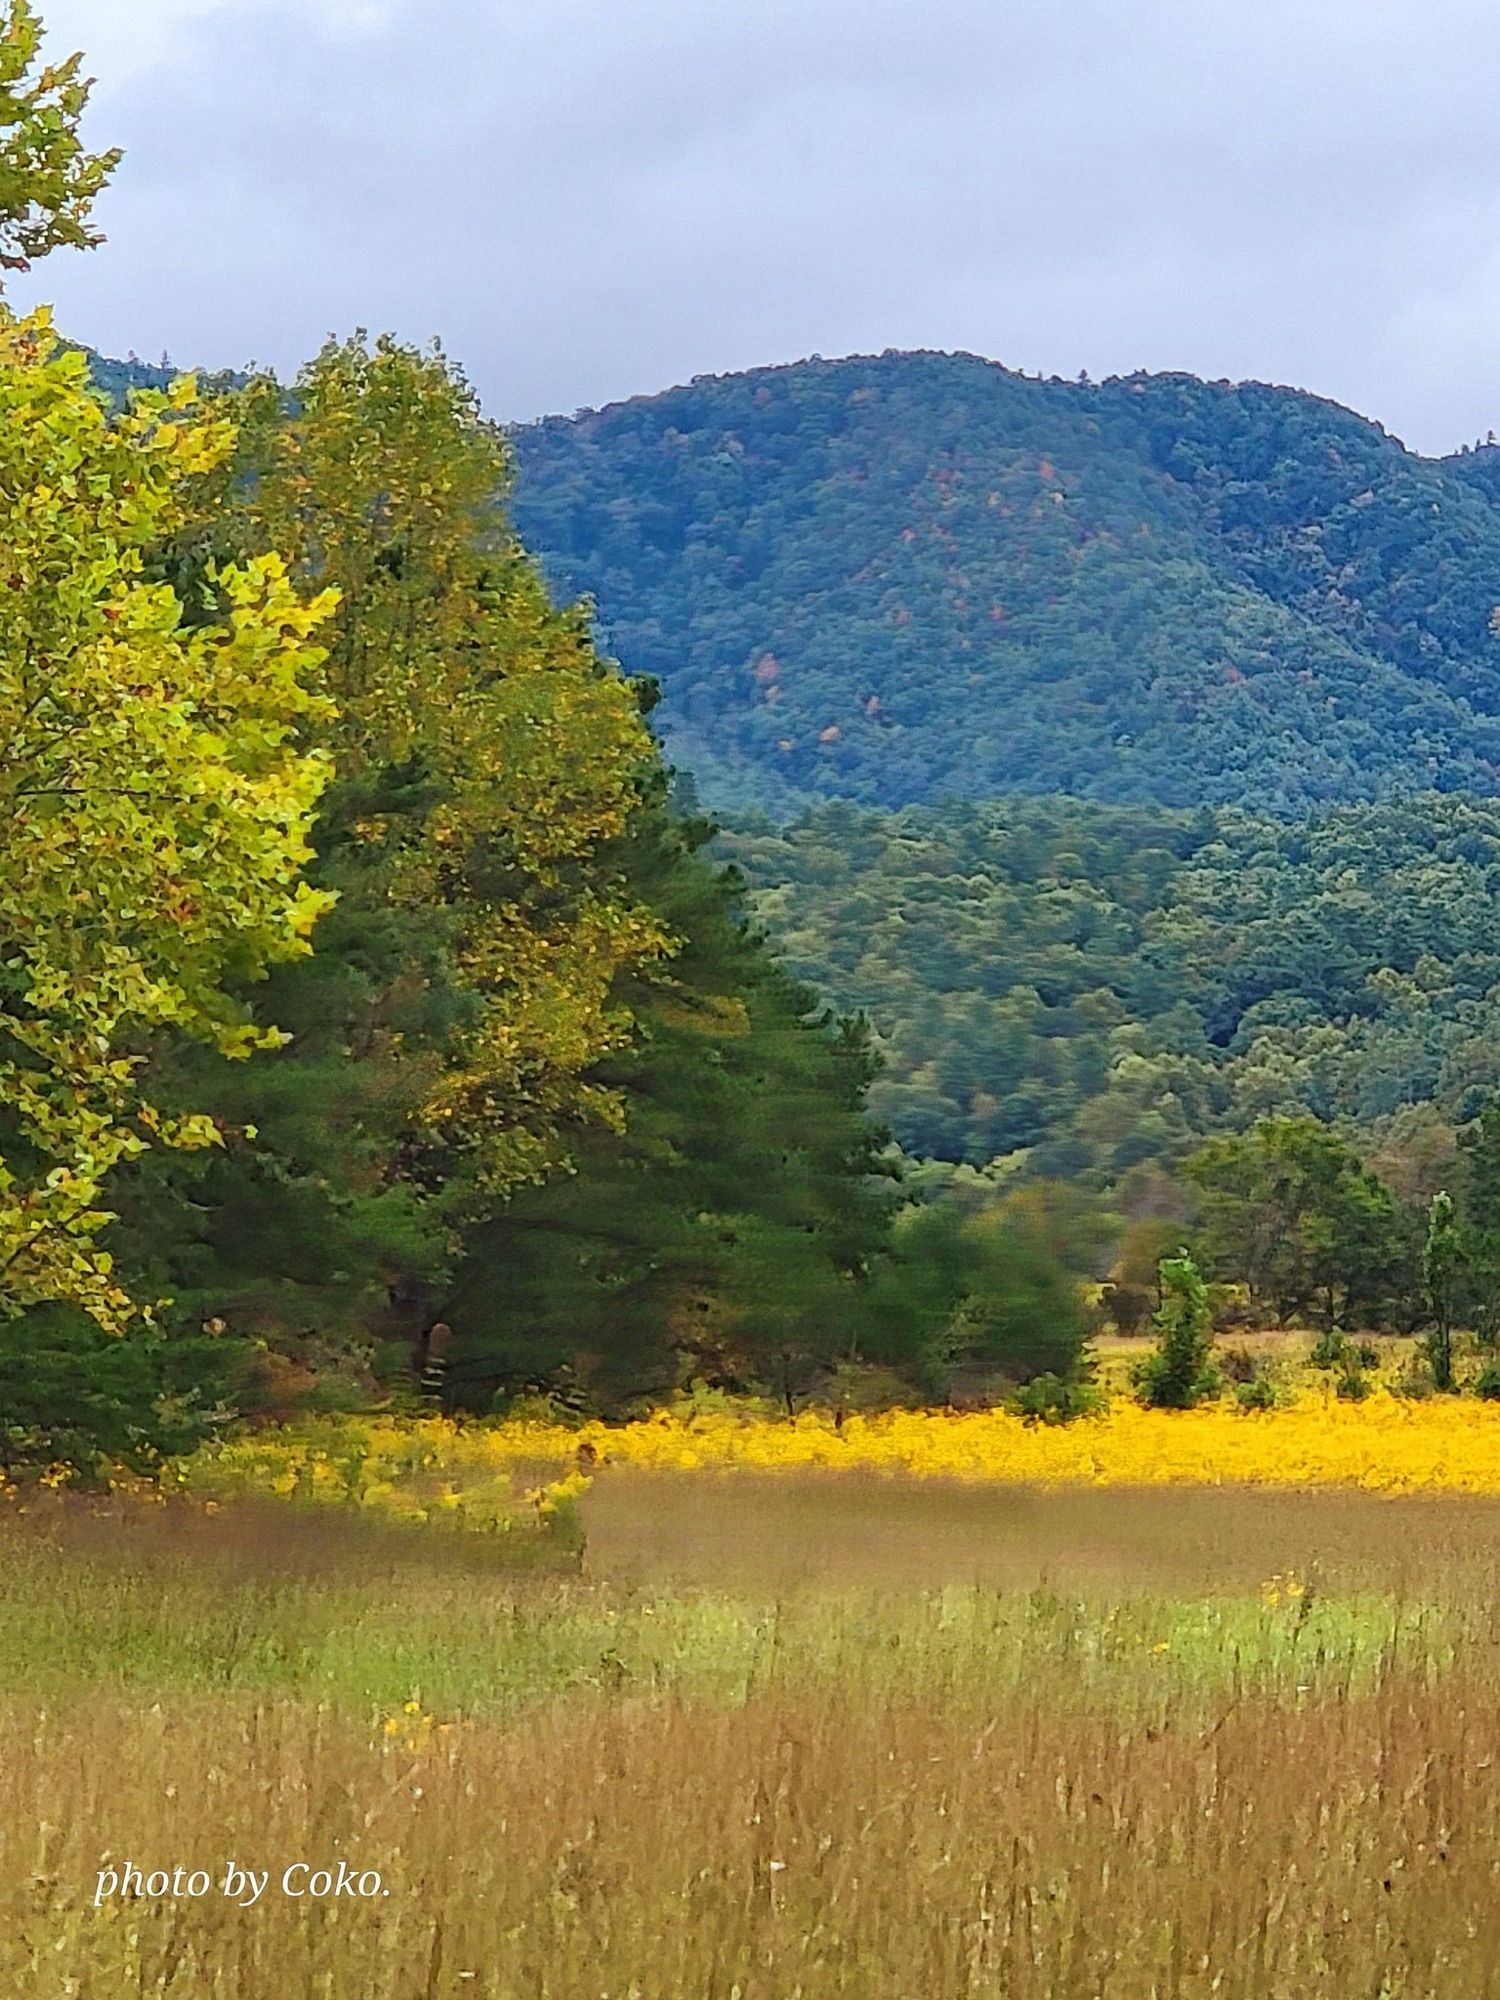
pixel 1290 1210
pixel 1478 1203
pixel 1441 1255
pixel 1177 1375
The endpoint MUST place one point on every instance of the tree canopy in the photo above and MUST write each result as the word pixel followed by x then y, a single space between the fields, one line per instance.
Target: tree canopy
pixel 49 181
pixel 1077 988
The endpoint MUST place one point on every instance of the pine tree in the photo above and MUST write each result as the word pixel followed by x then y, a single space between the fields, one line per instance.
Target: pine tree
pixel 727 1229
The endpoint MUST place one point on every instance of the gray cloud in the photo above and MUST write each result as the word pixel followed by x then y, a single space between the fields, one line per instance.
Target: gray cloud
pixel 589 198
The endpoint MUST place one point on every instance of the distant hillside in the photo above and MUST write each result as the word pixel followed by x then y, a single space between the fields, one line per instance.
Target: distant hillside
pixel 118 378
pixel 1085 987
pixel 919 576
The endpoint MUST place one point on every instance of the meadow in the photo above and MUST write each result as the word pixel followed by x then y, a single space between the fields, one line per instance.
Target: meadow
pixel 754 1729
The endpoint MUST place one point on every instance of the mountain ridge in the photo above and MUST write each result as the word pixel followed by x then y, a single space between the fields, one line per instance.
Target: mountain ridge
pixel 902 577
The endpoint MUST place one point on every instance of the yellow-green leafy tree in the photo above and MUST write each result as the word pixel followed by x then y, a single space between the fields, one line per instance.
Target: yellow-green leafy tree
pixel 447 661
pixel 155 790
pixel 155 800
pixel 48 178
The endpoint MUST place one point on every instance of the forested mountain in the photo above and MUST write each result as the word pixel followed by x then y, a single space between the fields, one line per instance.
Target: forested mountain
pixel 921 576
pixel 1086 987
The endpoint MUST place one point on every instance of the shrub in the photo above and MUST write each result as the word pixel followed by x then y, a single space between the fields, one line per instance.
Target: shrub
pixel 1330 1349
pixel 1259 1392
pixel 1487 1384
pixel 1055 1399
pixel 72 1394
pixel 1353 1385
pixel 535 1406
pixel 1415 1380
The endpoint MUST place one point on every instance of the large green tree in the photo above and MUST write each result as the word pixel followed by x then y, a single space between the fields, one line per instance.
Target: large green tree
pixel 447 1035
pixel 156 794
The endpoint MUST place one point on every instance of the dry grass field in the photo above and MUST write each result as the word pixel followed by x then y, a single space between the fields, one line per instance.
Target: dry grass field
pixel 779 1737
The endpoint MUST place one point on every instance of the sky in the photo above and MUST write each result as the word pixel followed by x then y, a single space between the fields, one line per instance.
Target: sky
pixel 591 199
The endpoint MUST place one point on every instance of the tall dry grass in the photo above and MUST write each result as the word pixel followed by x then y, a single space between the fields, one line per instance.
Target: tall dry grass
pixel 1064 1748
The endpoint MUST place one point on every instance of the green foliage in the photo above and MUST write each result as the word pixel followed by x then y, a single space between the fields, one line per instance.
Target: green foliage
pixel 1289 1209
pixel 1179 1374
pixel 1091 988
pixel 74 1394
pixel 967 1297
pixel 1259 1392
pixel 1353 1385
pixel 446 1037
pixel 1330 1349
pixel 1487 1382
pixel 1055 1399
pixel 1478 1206
pixel 727 1231
pixel 1414 1381
pixel 156 794
pixel 484 751
pixel 911 576
pixel 48 182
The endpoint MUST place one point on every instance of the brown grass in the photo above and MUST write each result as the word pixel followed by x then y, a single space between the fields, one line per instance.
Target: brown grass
pixel 901 1744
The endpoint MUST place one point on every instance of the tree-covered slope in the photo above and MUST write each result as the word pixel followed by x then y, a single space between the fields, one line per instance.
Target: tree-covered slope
pixel 916 576
pixel 1091 986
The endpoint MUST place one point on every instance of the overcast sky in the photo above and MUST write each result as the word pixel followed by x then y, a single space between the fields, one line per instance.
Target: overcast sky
pixel 593 198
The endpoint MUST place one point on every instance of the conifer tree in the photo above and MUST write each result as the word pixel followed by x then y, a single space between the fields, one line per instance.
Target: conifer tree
pixel 447 1035
pixel 726 1231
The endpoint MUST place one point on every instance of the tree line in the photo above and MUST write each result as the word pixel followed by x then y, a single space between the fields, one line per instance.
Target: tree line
pixel 362 973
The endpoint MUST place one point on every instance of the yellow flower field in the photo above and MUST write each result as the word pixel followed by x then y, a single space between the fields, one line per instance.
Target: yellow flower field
pixel 1386 1443
pixel 475 1474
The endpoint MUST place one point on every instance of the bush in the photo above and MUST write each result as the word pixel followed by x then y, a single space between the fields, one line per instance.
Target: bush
pixel 1415 1380
pixel 1054 1399
pixel 535 1406
pixel 1487 1383
pixel 1367 1354
pixel 1330 1349
pixel 1259 1392
pixel 1353 1385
